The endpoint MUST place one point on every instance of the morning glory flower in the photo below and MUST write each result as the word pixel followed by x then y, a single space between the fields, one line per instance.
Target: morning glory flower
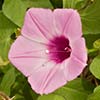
pixel 50 50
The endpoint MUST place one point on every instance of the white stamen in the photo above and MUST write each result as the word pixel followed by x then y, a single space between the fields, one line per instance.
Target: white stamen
pixel 47 51
pixel 66 48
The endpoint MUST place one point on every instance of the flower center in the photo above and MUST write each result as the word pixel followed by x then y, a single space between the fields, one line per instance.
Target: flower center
pixel 59 49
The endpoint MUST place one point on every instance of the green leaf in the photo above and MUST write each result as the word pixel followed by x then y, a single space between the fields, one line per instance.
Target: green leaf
pixel 96 44
pixel 95 95
pixel 57 3
pixel 71 94
pixel 91 18
pixel 74 90
pixel 81 85
pixel 51 97
pixel 15 9
pixel 95 67
pixel 97 88
pixel 7 81
pixel 6 29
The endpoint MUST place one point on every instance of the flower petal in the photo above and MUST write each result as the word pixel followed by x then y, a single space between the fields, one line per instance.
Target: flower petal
pixel 68 23
pixel 46 81
pixel 61 17
pixel 27 55
pixel 38 24
pixel 77 60
pixel 74 68
pixel 79 49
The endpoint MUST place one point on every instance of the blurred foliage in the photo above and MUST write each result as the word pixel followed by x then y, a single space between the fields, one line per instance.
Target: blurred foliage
pixel 15 9
pixel 6 29
pixel 57 3
pixel 1 3
pixel 14 84
pixel 51 97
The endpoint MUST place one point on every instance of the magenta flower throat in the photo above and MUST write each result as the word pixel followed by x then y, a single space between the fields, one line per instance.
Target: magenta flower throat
pixel 59 49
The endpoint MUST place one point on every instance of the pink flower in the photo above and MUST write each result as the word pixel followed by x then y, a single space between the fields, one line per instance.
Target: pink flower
pixel 51 50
